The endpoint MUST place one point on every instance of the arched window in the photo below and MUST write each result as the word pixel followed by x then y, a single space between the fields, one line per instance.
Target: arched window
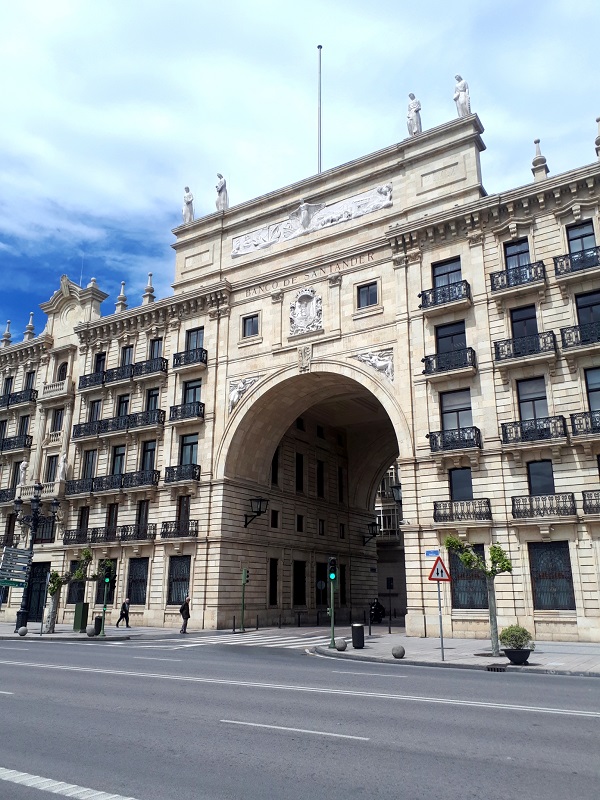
pixel 62 371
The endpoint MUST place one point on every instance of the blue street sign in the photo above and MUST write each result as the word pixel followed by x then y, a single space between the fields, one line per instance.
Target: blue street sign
pixel 431 553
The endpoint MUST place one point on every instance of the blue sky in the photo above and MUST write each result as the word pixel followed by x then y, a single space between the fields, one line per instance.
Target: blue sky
pixel 110 108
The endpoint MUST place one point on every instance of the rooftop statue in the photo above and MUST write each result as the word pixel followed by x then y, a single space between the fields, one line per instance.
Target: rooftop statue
pixel 222 196
pixel 188 206
pixel 461 97
pixel 413 118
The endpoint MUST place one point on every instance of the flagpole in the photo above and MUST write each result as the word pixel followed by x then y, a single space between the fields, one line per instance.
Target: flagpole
pixel 319 48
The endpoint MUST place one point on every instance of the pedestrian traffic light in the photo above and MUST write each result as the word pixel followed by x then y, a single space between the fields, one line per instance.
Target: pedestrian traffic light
pixel 332 568
pixel 245 575
pixel 106 579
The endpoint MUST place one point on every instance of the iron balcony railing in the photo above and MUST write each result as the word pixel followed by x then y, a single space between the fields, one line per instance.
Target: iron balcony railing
pixel 518 276
pixel 4 400
pixel 179 528
pixel 454 439
pixel 113 424
pixel 525 346
pixel 121 373
pixel 585 422
pixel 444 362
pixel 6 495
pixel 99 535
pixel 459 510
pixel 155 416
pixel 182 472
pixel 7 540
pixel 186 411
pixel 187 357
pixel 15 398
pixel 573 262
pixel 544 505
pixel 591 502
pixel 83 429
pixel 76 536
pixel 107 483
pixel 138 532
pixel 16 443
pixel 91 379
pixel 144 477
pixel 81 486
pixel 110 483
pixel 150 367
pixel 445 294
pixel 578 335
pixel 533 430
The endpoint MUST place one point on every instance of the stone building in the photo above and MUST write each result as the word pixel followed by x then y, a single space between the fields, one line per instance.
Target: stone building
pixel 387 311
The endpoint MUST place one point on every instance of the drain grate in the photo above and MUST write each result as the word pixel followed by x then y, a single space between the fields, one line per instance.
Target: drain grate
pixel 496 668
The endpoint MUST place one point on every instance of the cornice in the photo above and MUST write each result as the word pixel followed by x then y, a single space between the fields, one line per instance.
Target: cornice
pixel 23 352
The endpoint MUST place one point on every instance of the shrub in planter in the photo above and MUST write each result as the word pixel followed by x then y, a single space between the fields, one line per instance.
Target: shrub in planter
pixel 516 637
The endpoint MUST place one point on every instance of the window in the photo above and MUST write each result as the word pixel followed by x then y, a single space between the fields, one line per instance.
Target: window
pixel 24 425
pixel 592 382
pixel 179 580
pixel 551 577
pixel 299 583
pixel 183 508
pixel 320 478
pixel 127 355
pixel 340 484
pixel 468 586
pixel 57 420
pixel 188 449
pixel 9 530
pixel 3 426
pixel 83 518
pixel 523 322
pixel 321 527
pixel 142 512
pixel 516 254
pixel 275 468
pixel 250 326
pixel 112 514
pixel 461 484
pixel 94 410
pixel 100 362
pixel 532 399
pixel 320 432
pixel 299 472
pixel 89 464
pixel 7 386
pixel 152 396
pixel 137 581
pixel 122 405
pixel 118 460
pixel 342 530
pixel 29 380
pixel 456 410
pixel 321 583
pixel 274 518
pixel 366 295
pixel 300 523
pixel 588 311
pixel 273 573
pixel 581 237
pixel 61 372
pixel 194 339
pixel 15 475
pixel 155 349
pixel 300 424
pixel 148 455
pixel 446 272
pixel 450 337
pixel 51 467
pixel 110 595
pixel 76 591
pixel 191 391
pixel 541 477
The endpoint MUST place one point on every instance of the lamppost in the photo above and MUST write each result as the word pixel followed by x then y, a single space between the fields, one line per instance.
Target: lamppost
pixel 32 522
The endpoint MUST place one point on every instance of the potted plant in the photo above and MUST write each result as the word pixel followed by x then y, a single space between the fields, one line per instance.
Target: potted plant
pixel 518 644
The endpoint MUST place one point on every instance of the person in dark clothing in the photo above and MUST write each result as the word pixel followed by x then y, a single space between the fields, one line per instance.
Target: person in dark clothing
pixel 185 614
pixel 124 613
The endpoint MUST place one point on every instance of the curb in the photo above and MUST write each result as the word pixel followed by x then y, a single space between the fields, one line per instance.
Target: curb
pixel 324 651
pixel 54 637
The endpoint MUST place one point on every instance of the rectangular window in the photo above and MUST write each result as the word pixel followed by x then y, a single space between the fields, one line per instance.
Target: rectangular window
pixel 137 581
pixel 183 508
pixel 366 295
pixel 94 410
pixel 9 530
pixel 250 326
pixel 51 467
pixel 142 512
pixel 342 530
pixel 83 518
pixel 468 586
pixel 112 514
pixel 148 455
pixel 581 237
pixel 275 468
pixel 110 595
pixel 320 432
pixel 122 405
pixel 446 272
pixel 450 337
pixel 179 580
pixel 155 349
pixel 321 583
pixel 118 460
pixel 342 583
pixel 3 426
pixel 321 527
pixel 340 484
pixel 127 355
pixel 588 308
pixel 24 425
pixel 57 420
pixel 89 464
pixel 76 590
pixel 541 477
pixel 516 254
pixel 299 472
pixel 194 339
pixel 300 424
pixel 191 391
pixel 29 380
pixel 274 518
pixel 7 386
pixel 15 475
pixel 300 523
pixel 523 322
pixel 152 396
pixel 273 573
pixel 100 362
pixel 592 383
pixel 320 478
pixel 188 449
pixel 532 399
pixel 456 410
pixel 461 484
pixel 551 576
pixel 299 583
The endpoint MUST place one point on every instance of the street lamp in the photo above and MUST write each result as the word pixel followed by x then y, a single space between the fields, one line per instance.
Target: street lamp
pixel 374 528
pixel 32 522
pixel 258 506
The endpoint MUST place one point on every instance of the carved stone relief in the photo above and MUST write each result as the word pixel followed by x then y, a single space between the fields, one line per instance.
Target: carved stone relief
pixel 306 312
pixel 304 357
pixel 382 361
pixel 237 389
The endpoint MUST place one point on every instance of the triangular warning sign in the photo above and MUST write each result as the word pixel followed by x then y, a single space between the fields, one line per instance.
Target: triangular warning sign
pixel 439 571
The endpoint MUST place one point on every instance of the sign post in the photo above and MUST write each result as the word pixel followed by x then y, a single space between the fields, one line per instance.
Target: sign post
pixel 440 574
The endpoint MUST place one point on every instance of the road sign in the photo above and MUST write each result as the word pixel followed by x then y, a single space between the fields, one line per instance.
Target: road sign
pixel 18 584
pixel 439 571
pixel 431 553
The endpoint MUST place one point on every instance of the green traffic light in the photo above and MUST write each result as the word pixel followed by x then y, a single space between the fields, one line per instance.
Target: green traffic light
pixel 106 580
pixel 332 576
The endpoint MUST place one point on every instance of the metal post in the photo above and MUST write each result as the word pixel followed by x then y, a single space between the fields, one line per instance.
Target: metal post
pixel 242 629
pixel 332 612
pixel 257 622
pixel 440 613
pixel 234 623
pixel 45 603
pixel 106 585
pixel 23 612
pixel 369 622
pixel 279 626
pixel 390 616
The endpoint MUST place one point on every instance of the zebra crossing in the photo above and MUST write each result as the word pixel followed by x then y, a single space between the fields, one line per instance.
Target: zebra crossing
pixel 248 639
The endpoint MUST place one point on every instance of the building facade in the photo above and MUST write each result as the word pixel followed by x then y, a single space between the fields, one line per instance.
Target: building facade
pixel 400 316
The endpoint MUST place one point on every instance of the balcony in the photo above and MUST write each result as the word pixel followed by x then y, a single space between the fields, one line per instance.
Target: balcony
pixel 182 472
pixel 141 419
pixel 81 486
pixel 144 477
pixel 179 528
pixel 18 398
pixel 7 495
pixel 49 489
pixel 190 358
pixel 103 535
pixel 76 536
pixel 512 354
pixel 186 411
pixel 591 502
pixel 138 532
pixel 83 430
pixel 585 423
pixel 462 511
pixel 572 264
pixel 518 280
pixel 456 439
pixel 544 505
pixel 436 301
pixel 461 363
pixel 58 389
pixel 92 380
pixel 16 443
pixel 580 340
pixel 107 483
pixel 150 367
pixel 534 430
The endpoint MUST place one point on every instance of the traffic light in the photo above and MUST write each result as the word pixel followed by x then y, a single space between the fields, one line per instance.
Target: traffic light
pixel 245 575
pixel 332 568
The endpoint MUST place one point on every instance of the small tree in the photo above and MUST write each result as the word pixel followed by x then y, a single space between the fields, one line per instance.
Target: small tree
pixel 57 581
pixel 499 562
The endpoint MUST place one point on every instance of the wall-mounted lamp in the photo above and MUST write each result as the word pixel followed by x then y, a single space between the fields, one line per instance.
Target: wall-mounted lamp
pixel 373 528
pixel 258 505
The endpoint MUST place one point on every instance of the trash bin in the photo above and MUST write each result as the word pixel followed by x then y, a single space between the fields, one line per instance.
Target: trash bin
pixel 81 617
pixel 97 625
pixel 358 636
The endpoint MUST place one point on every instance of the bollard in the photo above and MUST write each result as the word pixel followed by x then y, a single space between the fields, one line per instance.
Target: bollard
pixel 257 622
pixel 365 618
pixel 317 619
pixel 279 621
pixel 369 622
pixel 298 619
pixel 234 623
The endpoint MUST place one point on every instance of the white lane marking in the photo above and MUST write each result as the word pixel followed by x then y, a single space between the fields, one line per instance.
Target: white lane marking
pixel 6 692
pixel 295 730
pixel 369 674
pixel 310 689
pixel 8 647
pixel 57 787
pixel 153 658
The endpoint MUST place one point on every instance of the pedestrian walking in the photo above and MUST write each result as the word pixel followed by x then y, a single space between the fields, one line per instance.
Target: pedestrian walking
pixel 185 614
pixel 124 613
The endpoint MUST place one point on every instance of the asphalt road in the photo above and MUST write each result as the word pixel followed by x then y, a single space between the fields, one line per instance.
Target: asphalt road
pixel 229 722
